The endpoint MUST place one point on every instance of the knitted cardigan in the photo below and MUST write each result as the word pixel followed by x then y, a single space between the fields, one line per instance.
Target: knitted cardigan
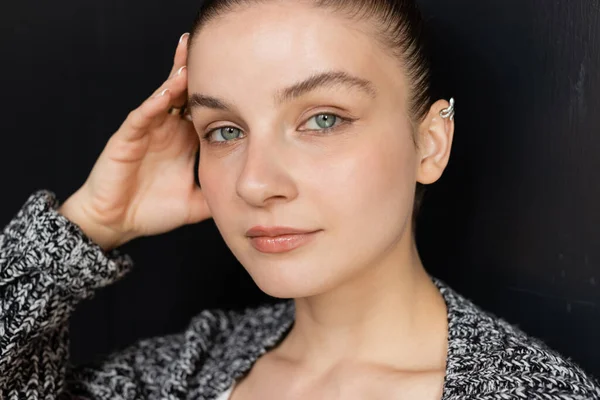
pixel 48 265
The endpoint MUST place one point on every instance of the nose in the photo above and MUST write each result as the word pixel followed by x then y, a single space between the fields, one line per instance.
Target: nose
pixel 266 177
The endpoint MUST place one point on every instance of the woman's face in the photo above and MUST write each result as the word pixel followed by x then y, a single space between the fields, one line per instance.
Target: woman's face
pixel 268 81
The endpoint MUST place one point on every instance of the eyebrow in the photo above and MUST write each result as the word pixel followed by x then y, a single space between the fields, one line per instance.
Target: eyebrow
pixel 330 79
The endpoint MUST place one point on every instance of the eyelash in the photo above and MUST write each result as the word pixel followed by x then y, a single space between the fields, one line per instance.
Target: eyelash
pixel 342 121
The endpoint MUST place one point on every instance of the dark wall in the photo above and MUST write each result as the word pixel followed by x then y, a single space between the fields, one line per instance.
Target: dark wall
pixel 514 224
pixel 515 221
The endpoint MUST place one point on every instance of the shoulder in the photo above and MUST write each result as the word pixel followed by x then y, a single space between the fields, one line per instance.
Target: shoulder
pixel 215 329
pixel 216 344
pixel 490 357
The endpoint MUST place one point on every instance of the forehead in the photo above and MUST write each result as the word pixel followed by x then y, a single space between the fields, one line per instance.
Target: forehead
pixel 275 43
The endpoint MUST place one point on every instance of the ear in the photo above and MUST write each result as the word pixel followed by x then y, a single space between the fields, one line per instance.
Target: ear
pixel 435 141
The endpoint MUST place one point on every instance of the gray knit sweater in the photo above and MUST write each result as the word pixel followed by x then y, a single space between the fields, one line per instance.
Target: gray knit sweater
pixel 47 266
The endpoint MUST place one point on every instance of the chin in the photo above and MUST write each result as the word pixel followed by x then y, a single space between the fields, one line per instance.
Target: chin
pixel 288 290
pixel 291 279
pixel 303 272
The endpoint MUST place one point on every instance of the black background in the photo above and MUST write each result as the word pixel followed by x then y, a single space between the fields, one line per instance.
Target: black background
pixel 514 224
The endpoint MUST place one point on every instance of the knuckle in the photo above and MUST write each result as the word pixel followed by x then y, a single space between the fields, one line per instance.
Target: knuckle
pixel 135 118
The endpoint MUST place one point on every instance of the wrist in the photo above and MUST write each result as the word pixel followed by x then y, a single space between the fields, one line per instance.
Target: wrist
pixel 106 237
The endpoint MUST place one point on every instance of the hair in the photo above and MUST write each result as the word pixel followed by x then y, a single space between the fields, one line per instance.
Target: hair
pixel 399 26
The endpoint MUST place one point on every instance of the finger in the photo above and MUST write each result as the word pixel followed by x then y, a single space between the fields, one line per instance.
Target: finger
pixel 138 122
pixel 177 87
pixel 180 96
pixel 153 109
pixel 174 82
pixel 178 63
pixel 180 54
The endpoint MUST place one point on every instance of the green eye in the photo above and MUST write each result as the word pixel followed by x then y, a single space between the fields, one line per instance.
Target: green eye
pixel 225 134
pixel 325 121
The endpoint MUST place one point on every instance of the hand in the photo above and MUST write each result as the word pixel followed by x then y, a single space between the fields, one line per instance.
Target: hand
pixel 143 182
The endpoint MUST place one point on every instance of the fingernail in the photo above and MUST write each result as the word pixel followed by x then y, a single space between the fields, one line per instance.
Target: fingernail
pixel 180 70
pixel 183 36
pixel 162 93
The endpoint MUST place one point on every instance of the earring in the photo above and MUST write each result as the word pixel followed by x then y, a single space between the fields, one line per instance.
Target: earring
pixel 448 112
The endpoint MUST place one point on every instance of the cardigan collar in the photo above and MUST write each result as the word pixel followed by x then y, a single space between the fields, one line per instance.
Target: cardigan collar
pixel 265 327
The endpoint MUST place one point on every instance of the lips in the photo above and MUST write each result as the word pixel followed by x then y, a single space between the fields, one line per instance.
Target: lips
pixel 279 239
pixel 258 231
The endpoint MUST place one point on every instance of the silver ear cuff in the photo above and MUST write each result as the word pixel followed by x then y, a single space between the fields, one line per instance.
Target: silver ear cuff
pixel 448 112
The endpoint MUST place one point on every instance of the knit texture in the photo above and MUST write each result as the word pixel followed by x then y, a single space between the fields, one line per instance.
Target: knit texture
pixel 48 265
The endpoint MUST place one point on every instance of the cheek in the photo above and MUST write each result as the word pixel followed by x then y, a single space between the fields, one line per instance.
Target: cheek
pixel 216 188
pixel 376 177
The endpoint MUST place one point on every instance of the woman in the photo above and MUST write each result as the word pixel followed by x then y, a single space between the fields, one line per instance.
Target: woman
pixel 317 131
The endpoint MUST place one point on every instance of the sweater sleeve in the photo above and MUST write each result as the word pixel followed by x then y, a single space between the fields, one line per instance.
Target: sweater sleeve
pixel 47 266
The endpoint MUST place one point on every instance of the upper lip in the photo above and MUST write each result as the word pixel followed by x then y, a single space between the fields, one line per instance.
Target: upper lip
pixel 272 231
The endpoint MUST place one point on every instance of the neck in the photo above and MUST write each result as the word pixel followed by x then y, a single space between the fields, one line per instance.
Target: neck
pixel 392 315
